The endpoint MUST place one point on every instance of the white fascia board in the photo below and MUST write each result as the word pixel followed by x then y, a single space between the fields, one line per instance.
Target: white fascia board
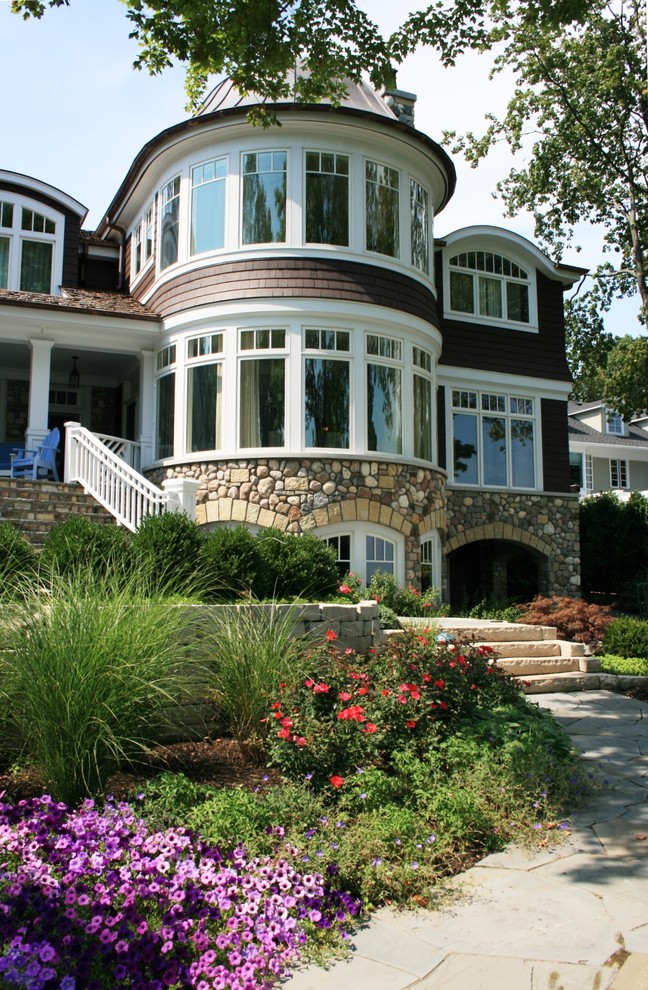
pixel 474 377
pixel 607 451
pixel 91 331
pixel 345 314
pixel 28 183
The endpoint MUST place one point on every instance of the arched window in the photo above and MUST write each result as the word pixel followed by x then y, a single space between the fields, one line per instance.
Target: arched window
pixel 486 284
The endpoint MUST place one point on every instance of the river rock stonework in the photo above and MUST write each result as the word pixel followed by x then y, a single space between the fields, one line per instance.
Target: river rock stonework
pixel 547 524
pixel 302 495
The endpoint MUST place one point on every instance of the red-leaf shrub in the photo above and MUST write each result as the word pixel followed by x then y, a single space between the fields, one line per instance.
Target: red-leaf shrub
pixel 574 619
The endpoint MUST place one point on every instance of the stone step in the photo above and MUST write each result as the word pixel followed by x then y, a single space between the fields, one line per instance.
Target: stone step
pixel 490 631
pixel 34 507
pixel 527 666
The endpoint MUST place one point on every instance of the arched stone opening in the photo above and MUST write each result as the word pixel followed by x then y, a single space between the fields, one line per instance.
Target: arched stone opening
pixel 495 570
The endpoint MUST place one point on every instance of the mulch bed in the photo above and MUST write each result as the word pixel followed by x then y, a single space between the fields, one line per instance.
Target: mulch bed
pixel 217 762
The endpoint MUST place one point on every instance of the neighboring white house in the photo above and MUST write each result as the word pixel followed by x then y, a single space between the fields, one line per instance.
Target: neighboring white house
pixel 605 453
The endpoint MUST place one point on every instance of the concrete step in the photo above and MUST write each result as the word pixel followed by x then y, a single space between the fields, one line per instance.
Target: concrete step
pixel 527 666
pixel 489 631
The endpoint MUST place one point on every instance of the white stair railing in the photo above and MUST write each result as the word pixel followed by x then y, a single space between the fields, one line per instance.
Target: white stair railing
pixel 125 493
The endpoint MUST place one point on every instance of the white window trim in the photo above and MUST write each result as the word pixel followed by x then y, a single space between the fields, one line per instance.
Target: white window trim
pixel 460 247
pixel 227 180
pixel 403 226
pixel 324 244
pixel 140 226
pixel 621 470
pixel 433 540
pixel 272 245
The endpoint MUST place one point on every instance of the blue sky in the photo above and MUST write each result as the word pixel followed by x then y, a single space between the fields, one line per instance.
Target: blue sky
pixel 75 113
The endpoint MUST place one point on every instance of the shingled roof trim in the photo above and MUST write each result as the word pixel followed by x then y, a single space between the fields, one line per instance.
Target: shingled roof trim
pixel 75 300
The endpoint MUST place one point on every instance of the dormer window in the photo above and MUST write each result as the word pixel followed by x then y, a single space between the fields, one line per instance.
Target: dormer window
pixel 614 424
pixel 27 248
pixel 489 285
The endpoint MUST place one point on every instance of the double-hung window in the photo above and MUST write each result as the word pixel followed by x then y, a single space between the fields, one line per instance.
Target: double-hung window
pixel 262 421
pixel 382 196
pixel 327 198
pixel 327 373
pixel 264 197
pixel 204 392
pixel 493 439
pixel 169 222
pixel 489 285
pixel 208 206
pixel 618 474
pixel 384 394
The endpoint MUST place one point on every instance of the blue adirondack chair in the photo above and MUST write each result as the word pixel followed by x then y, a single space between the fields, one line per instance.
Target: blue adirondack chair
pixel 40 462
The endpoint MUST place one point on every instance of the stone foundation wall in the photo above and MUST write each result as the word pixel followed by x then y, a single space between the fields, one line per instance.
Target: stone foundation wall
pixel 545 523
pixel 300 495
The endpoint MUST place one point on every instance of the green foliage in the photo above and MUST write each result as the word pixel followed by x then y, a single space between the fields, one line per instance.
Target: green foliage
pixel 396 600
pixel 231 560
pixel 93 674
pixel 170 549
pixel 573 618
pixel 626 637
pixel 18 562
pixel 250 651
pixel 626 377
pixel 632 666
pixel 293 566
pixel 614 545
pixel 497 611
pixel 78 543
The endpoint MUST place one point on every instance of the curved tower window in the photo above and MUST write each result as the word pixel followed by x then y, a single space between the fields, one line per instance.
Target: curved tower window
pixel 423 414
pixel 165 407
pixel 382 213
pixel 327 198
pixel 208 206
pixel 264 197
pixel 169 222
pixel 419 226
pixel 204 392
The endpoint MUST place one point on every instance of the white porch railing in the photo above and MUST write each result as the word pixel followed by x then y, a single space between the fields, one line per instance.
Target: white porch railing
pixel 98 467
pixel 128 450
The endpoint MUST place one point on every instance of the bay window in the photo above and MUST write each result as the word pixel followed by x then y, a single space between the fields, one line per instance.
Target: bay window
pixel 382 194
pixel 327 198
pixel 204 393
pixel 262 413
pixel 423 415
pixel 264 197
pixel 384 394
pixel 165 404
pixel 493 439
pixel 326 389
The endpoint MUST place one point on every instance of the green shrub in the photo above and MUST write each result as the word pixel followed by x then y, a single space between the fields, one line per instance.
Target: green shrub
pixel 383 588
pixel 292 566
pixel 632 666
pixel 232 562
pixel 626 637
pixel 498 611
pixel 387 617
pixel 573 618
pixel 18 562
pixel 80 543
pixel 92 675
pixel 170 549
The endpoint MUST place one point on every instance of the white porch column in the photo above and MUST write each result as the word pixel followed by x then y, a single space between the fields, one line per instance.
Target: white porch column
pixel 146 408
pixel 39 386
pixel 182 495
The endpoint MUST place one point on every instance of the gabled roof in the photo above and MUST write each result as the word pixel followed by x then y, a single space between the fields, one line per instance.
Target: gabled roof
pixel 580 432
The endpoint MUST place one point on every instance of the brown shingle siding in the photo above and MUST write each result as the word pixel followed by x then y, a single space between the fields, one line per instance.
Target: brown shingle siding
pixel 291 278
pixel 555 450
